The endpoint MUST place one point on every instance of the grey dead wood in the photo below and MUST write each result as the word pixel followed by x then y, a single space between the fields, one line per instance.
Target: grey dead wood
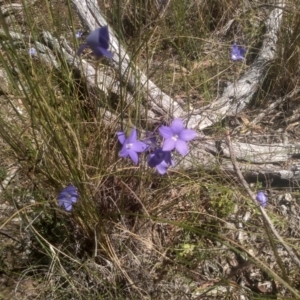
pixel 158 101
pixel 97 80
pixel 234 99
pixel 238 94
pixel 257 162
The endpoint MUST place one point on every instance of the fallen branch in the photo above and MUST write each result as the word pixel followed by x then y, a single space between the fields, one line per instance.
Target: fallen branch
pixel 158 101
pixel 235 97
pixel 238 94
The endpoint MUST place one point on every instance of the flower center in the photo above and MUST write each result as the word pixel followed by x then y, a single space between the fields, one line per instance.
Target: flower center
pixel 160 155
pixel 175 137
pixel 128 146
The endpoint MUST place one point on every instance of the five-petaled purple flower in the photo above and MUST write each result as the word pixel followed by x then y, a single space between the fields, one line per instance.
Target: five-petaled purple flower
pixel 131 146
pixel 176 137
pixel 67 197
pixel 262 198
pixel 237 52
pixel 161 160
pixel 98 41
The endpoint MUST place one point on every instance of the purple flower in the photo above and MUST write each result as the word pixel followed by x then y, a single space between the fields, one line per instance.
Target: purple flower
pixel 32 52
pixel 131 146
pixel 98 41
pixel 161 160
pixel 262 198
pixel 78 34
pixel 67 197
pixel 176 137
pixel 237 52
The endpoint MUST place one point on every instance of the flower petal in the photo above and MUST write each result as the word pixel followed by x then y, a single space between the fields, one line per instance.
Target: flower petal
pixel 167 157
pixel 242 51
pixel 139 146
pixel 133 155
pixel 105 52
pixel 121 137
pixel 96 50
pixel 67 197
pixel 124 152
pixel 78 34
pixel 187 135
pixel 104 37
pixel 132 136
pixel 262 199
pixel 169 144
pixel 68 206
pixel 155 159
pixel 93 38
pixel 166 132
pixel 99 51
pixel 73 199
pixel 162 168
pixel 32 51
pixel 80 49
pixel 177 126
pixel 237 52
pixel 181 147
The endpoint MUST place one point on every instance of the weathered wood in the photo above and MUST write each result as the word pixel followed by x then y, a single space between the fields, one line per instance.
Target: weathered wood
pixel 235 97
pixel 238 94
pixel 206 155
pixel 97 80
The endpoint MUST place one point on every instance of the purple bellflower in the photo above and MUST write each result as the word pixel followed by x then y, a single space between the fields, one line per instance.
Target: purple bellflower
pixel 98 41
pixel 32 52
pixel 67 197
pixel 176 137
pixel 131 146
pixel 262 198
pixel 161 160
pixel 237 52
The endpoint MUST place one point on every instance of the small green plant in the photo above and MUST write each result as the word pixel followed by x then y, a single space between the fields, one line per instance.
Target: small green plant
pixel 222 201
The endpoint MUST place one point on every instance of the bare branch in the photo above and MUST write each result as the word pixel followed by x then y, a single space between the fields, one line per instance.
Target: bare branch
pixel 238 94
pixel 234 98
